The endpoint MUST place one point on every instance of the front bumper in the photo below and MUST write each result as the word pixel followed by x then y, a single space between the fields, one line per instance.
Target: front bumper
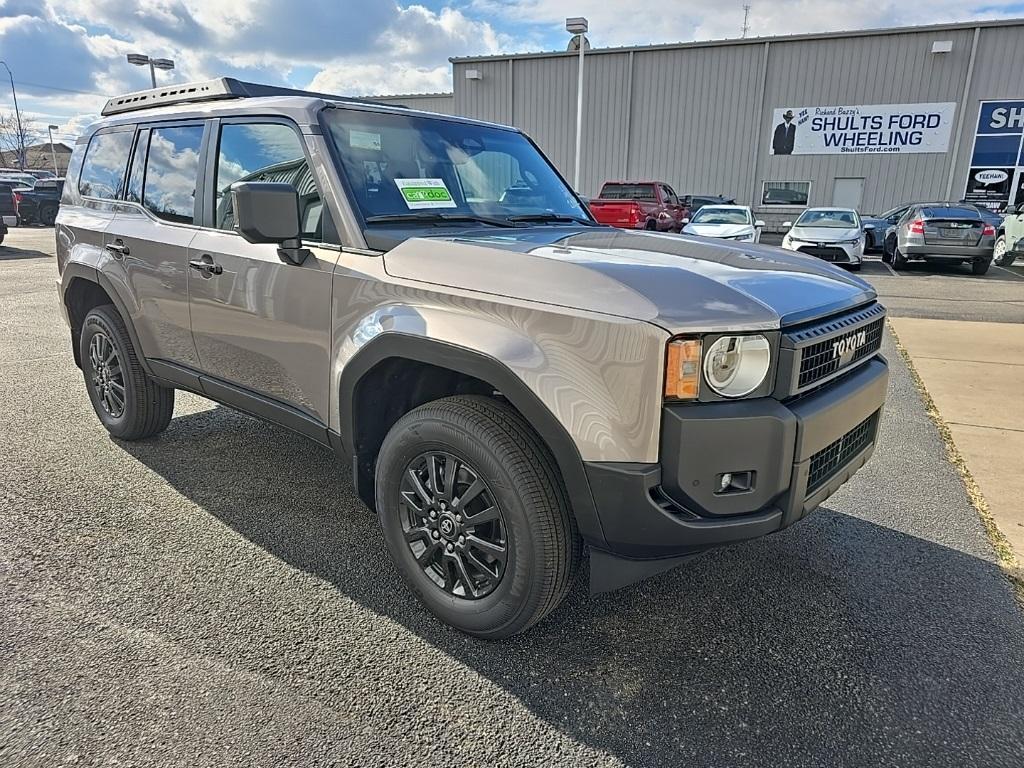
pixel 834 253
pixel 797 453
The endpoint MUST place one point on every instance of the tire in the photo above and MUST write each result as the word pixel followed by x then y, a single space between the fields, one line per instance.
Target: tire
pixel 980 267
pixel 855 267
pixel 47 216
pixel 491 442
pixel 651 225
pixel 127 401
pixel 899 261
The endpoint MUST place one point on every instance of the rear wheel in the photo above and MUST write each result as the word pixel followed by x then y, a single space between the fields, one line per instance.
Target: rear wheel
pixel 980 267
pixel 899 261
pixel 474 517
pixel 128 403
pixel 651 225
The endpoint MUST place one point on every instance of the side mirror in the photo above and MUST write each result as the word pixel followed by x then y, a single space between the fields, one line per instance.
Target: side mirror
pixel 685 220
pixel 869 227
pixel 787 224
pixel 268 212
pixel 759 224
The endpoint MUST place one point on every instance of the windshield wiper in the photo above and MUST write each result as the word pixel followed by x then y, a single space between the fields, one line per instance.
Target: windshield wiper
pixel 435 217
pixel 551 217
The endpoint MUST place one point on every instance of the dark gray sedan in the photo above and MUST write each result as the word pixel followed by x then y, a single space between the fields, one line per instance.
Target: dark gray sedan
pixel 950 233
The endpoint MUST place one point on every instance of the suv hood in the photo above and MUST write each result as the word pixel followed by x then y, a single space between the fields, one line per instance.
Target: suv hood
pixel 677 282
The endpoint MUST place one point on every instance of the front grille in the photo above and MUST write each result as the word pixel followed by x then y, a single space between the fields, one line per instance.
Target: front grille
pixel 825 252
pixel 826 357
pixel 828 460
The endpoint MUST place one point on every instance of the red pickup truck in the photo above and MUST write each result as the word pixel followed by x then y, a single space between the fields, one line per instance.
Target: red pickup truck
pixel 639 205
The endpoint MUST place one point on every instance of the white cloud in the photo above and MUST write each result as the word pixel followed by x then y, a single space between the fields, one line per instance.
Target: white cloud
pixel 380 79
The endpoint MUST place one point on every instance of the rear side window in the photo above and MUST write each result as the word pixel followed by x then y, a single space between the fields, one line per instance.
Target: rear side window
pixel 265 152
pixel 104 166
pixel 172 167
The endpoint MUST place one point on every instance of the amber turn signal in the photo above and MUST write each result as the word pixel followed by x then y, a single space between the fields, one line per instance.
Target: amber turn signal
pixel 682 369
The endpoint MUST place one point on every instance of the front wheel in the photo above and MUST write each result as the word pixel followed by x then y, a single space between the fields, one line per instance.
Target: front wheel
pixel 47 216
pixel 128 403
pixel 474 516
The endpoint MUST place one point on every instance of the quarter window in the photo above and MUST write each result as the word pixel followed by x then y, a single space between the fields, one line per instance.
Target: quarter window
pixel 137 173
pixel 265 152
pixel 172 167
pixel 104 165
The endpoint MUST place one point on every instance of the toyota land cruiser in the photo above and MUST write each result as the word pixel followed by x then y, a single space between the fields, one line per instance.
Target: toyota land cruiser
pixel 510 381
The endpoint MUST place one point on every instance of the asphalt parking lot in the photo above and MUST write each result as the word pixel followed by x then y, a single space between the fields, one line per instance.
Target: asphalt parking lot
pixel 217 595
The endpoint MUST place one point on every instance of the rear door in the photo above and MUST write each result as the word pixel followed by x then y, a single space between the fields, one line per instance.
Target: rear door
pixel 261 325
pixel 150 234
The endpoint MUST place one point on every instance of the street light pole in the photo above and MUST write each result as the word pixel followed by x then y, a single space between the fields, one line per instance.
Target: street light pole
pixel 578 26
pixel 17 116
pixel 53 154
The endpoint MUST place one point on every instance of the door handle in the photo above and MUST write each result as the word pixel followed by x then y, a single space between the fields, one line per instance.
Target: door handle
pixel 118 249
pixel 207 266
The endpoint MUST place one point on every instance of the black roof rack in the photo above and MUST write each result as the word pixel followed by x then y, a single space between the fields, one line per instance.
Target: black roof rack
pixel 212 90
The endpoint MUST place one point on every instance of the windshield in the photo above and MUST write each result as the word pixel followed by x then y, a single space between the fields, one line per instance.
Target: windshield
pixel 418 167
pixel 711 215
pixel 835 219
pixel 627 192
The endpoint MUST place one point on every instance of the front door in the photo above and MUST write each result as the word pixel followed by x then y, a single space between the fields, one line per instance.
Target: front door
pixel 847 192
pixel 260 324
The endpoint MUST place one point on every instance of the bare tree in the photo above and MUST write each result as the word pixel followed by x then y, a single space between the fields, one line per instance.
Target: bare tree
pixel 12 142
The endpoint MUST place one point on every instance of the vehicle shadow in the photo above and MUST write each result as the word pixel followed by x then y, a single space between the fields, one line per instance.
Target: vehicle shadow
pixel 10 253
pixel 837 642
pixel 934 269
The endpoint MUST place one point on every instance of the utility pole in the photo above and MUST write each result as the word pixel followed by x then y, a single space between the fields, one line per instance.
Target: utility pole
pixel 17 116
pixel 578 27
pixel 746 21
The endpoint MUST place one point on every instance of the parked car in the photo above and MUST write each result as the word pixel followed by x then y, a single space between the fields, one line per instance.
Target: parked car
pixel 949 233
pixel 696 202
pixel 1009 237
pixel 728 222
pixel 509 380
pixel 25 180
pixel 40 204
pixel 8 209
pixel 833 234
pixel 639 205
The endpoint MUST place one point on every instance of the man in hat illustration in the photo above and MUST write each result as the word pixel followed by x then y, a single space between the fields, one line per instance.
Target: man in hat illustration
pixel 785 134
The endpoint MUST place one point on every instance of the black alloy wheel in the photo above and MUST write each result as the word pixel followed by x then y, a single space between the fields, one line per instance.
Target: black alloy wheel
pixel 453 525
pixel 107 376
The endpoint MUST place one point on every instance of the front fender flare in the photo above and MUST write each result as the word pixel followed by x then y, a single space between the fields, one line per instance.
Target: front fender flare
pixel 465 361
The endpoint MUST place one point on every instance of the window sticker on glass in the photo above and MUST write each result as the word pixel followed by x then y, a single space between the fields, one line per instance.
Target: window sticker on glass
pixel 364 140
pixel 425 193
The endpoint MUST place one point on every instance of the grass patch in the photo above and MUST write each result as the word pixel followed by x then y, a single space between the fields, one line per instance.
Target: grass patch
pixel 1004 552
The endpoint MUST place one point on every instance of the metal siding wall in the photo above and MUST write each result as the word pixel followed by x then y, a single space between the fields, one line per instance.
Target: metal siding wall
pixel 693 118
pixel 998 74
pixel 489 98
pixel 887 69
pixel 688 115
pixel 442 103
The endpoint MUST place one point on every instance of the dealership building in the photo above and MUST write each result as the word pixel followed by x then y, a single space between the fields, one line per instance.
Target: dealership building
pixel 865 119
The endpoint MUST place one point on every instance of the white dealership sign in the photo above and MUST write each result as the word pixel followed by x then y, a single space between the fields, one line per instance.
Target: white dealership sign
pixel 863 129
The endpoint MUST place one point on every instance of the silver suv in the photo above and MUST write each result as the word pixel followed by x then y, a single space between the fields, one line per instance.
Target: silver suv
pixel 510 381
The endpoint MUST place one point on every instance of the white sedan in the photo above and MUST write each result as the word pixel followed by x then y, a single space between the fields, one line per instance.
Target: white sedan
pixel 831 234
pixel 728 222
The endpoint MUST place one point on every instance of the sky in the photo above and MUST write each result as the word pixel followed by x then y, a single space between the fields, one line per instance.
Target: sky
pixel 68 56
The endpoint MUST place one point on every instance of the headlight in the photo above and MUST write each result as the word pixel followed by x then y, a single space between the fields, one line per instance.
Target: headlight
pixel 735 366
pixel 851 242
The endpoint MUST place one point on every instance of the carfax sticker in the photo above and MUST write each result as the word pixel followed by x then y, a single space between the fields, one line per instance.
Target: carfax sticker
pixel 364 140
pixel 425 193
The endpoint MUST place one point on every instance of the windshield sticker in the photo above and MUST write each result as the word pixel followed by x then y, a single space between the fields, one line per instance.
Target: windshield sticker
pixel 425 193
pixel 364 140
